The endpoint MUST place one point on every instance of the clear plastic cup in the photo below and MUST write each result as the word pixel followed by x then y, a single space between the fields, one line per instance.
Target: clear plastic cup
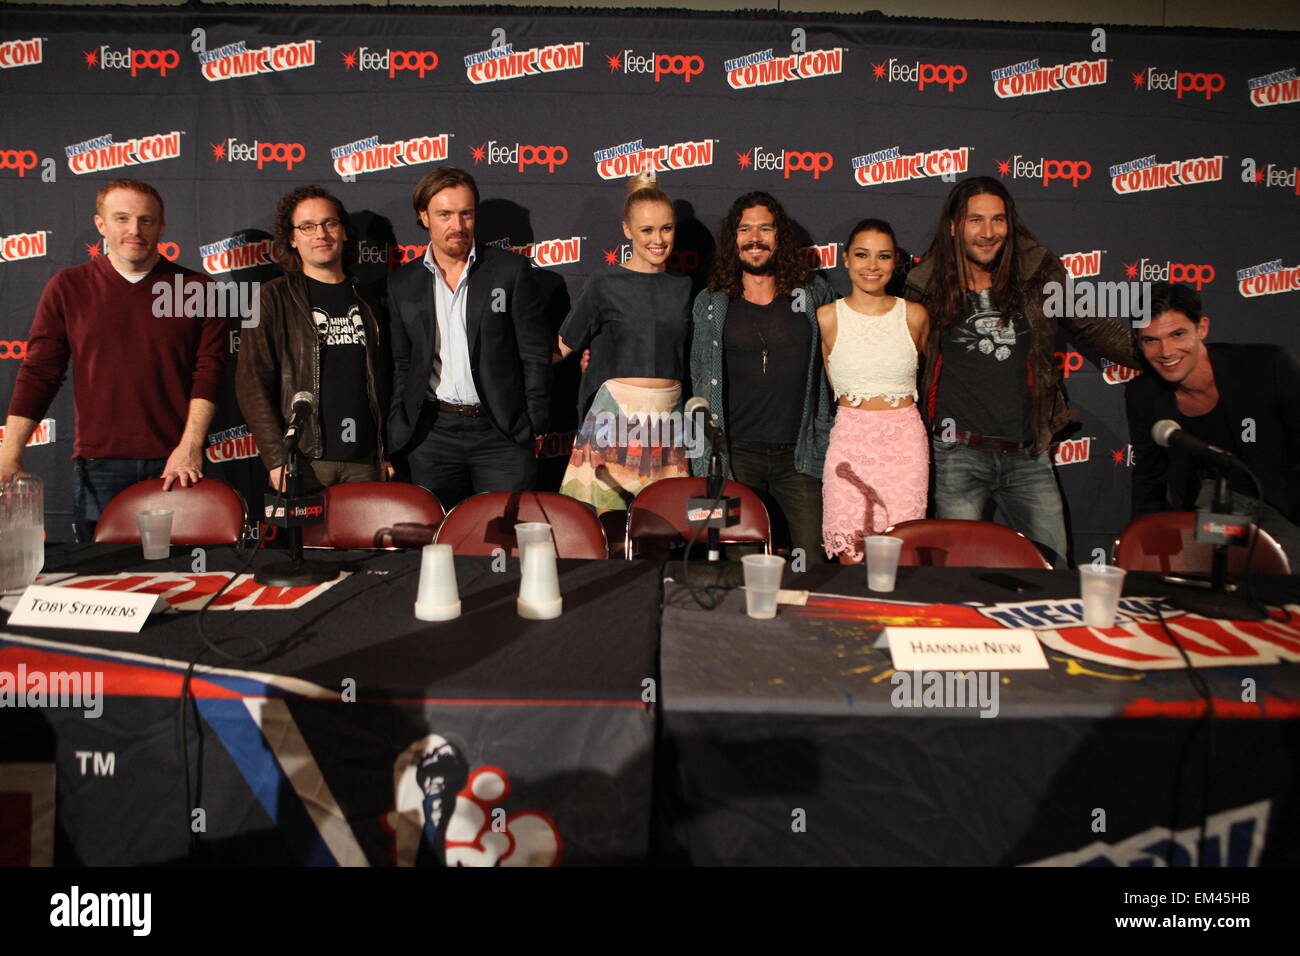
pixel 437 597
pixel 530 532
pixel 155 533
pixel 762 583
pixel 1100 586
pixel 882 561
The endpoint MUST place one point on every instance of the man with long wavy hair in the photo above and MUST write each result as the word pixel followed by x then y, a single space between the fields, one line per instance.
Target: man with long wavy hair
pixel 756 358
pixel 991 393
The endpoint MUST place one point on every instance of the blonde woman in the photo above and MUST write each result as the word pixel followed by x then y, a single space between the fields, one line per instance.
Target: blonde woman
pixel 634 319
pixel 878 463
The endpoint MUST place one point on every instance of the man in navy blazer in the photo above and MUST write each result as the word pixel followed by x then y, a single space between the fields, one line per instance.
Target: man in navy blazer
pixel 471 353
pixel 1241 398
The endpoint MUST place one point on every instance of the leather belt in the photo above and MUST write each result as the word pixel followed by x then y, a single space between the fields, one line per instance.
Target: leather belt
pixel 465 411
pixel 980 441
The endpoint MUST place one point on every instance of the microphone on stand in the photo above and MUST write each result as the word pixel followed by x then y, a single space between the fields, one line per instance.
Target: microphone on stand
pixel 304 405
pixel 1167 433
pixel 705 509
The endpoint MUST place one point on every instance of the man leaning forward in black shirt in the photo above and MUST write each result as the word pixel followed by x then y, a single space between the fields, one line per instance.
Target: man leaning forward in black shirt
pixel 756 358
pixel 318 333
pixel 1244 399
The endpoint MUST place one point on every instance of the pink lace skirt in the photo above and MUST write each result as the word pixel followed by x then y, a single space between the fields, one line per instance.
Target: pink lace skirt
pixel 877 474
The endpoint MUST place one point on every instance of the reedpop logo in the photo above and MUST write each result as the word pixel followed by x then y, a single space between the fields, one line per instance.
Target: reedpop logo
pixel 660 64
pixel 786 161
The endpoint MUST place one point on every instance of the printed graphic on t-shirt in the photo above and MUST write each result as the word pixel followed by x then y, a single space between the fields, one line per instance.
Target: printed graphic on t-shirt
pixel 340 329
pixel 984 331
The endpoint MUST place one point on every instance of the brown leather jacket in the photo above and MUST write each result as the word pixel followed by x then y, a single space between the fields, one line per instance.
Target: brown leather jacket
pixel 280 356
pixel 1048 410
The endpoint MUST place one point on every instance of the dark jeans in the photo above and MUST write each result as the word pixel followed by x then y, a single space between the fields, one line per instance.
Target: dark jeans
pixel 96 480
pixel 328 472
pixel 794 501
pixel 455 457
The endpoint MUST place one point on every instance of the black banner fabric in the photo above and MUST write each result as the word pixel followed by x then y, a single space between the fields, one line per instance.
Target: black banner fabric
pixel 1135 154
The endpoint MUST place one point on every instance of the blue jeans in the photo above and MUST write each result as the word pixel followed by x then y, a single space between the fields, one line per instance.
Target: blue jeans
pixel 1020 483
pixel 96 480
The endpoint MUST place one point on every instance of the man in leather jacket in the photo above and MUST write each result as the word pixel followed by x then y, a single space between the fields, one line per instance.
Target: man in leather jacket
pixel 318 333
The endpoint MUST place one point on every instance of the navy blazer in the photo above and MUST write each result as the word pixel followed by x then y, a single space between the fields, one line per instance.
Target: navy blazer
pixel 510 345
pixel 1259 383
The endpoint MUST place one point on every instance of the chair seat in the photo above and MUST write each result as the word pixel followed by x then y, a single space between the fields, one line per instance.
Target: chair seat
pixel 656 522
pixel 376 514
pixel 209 512
pixel 952 543
pixel 1166 542
pixel 485 522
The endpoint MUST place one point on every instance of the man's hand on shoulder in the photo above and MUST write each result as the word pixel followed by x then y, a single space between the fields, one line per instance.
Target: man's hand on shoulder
pixel 184 465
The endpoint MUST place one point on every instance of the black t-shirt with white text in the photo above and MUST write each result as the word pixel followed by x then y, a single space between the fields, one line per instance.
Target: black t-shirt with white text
pixel 348 430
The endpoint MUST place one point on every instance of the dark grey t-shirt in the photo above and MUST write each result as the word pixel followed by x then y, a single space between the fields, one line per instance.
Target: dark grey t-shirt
pixel 983 382
pixel 635 324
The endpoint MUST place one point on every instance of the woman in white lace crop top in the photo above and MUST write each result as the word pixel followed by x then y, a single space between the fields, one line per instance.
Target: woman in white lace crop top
pixel 878 465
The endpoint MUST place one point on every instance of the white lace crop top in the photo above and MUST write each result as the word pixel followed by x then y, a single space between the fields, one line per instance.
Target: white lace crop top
pixel 873 356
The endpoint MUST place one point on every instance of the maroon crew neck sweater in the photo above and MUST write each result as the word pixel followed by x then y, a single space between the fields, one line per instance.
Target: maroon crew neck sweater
pixel 133 373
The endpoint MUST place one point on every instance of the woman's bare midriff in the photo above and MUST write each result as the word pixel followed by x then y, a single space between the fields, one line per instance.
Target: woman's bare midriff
pixel 877 404
pixel 647 382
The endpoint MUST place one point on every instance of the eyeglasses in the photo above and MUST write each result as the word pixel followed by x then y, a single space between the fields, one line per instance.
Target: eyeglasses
pixel 309 228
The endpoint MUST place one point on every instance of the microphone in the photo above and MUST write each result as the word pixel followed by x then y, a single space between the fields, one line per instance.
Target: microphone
pixel 304 404
pixel 711 430
pixel 1167 433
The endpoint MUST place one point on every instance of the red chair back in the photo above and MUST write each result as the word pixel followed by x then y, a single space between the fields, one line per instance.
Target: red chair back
pixel 210 512
pixel 1166 542
pixel 375 514
pixel 656 521
pixel 951 543
pixel 485 522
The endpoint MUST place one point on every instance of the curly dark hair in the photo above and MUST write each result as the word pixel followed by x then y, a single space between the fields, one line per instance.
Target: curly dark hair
pixel 790 264
pixel 282 250
pixel 946 298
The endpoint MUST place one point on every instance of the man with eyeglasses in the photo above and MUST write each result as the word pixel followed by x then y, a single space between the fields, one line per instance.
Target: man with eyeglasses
pixel 145 379
pixel 318 333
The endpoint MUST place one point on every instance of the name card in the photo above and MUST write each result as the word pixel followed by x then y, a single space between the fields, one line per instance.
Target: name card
pixel 83 610
pixel 964 649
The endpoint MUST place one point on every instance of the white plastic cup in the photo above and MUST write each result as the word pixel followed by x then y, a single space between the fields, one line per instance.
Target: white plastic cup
pixel 882 561
pixel 762 583
pixel 539 583
pixel 1100 586
pixel 437 598
pixel 530 532
pixel 155 533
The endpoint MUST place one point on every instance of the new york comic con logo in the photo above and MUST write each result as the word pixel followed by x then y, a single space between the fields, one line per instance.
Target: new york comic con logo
pixel 232 444
pixel 765 68
pixel 1155 80
pixel 503 63
pixel 105 57
pixel 944 75
pixel 1072 171
pixel 634 158
pixel 1268 278
pixel 231 150
pixel 893 166
pixel 1275 89
pixel 369 155
pixel 662 65
pixel 392 62
pixel 101 152
pixel 786 161
pixel 545 252
pixel 1146 173
pixel 236 60
pixel 519 155
pixel 235 253
pixel 23 245
pixel 15 53
pixel 1029 78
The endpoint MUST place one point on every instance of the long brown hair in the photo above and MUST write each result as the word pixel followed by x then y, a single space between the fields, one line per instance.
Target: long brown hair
pixel 946 299
pixel 790 265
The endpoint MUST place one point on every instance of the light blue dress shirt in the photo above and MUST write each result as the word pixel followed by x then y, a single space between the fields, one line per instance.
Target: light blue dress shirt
pixel 451 380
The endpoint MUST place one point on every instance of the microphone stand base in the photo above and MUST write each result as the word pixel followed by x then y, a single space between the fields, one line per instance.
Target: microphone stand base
pixel 1215 604
pixel 295 574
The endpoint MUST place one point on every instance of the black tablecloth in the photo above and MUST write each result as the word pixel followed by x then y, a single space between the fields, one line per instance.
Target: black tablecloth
pixel 787 744
pixel 308 749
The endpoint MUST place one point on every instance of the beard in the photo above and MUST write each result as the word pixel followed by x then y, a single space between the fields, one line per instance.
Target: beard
pixel 766 269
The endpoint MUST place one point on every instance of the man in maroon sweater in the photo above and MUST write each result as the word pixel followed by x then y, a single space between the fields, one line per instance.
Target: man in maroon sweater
pixel 145 379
